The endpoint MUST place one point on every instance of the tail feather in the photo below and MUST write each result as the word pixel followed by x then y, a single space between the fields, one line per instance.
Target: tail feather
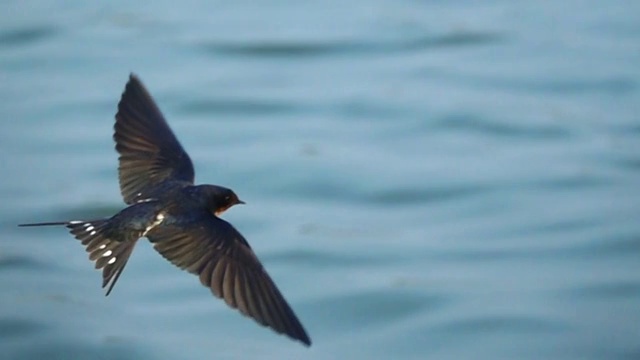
pixel 46 223
pixel 109 254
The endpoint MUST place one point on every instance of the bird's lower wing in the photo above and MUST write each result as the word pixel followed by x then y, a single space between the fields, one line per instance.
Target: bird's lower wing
pixel 215 251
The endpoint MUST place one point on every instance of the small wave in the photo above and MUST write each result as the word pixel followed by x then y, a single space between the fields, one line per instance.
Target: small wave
pixel 317 258
pixel 315 48
pixel 495 128
pixel 371 308
pixel 77 349
pixel 237 106
pixel 26 36
pixel 504 323
pixel 425 195
pixel 608 291
pixel 607 85
pixel 17 327
pixel 13 262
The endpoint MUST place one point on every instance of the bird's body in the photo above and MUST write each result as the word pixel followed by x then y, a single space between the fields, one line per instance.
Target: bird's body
pixel 180 219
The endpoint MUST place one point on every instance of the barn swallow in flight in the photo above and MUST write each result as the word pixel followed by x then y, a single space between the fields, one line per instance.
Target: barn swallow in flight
pixel 179 218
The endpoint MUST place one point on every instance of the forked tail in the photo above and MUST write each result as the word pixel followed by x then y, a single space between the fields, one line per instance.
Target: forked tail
pixel 109 254
pixel 47 223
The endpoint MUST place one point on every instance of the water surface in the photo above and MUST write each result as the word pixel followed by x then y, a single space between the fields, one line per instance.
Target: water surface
pixel 446 180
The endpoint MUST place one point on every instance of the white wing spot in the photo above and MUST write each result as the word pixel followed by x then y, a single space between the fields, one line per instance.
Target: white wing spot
pixel 87 225
pixel 93 233
pixel 89 228
pixel 157 222
pixel 73 222
pixel 112 260
pixel 107 253
pixel 102 246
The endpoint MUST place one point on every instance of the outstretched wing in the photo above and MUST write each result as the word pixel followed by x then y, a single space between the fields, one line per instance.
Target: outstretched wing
pixel 150 154
pixel 215 251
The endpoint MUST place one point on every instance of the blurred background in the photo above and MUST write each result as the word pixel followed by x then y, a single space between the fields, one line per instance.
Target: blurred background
pixel 424 179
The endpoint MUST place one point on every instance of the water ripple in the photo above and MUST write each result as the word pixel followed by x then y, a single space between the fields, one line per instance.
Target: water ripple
pixel 78 350
pixel 237 106
pixel 405 196
pixel 629 162
pixel 611 246
pixel 311 48
pixel 316 258
pixel 616 85
pixel 373 308
pixel 502 323
pixel 13 262
pixel 392 196
pixel 609 290
pixel 17 327
pixel 572 182
pixel 26 35
pixel 473 123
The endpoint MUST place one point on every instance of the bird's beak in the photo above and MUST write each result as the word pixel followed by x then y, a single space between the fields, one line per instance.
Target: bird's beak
pixel 240 202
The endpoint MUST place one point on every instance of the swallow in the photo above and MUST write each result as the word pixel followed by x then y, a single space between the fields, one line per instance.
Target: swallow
pixel 181 219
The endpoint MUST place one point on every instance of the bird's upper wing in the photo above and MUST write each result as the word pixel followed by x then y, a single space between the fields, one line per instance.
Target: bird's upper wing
pixel 215 251
pixel 150 154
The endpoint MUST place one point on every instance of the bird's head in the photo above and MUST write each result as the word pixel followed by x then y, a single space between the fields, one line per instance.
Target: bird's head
pixel 219 199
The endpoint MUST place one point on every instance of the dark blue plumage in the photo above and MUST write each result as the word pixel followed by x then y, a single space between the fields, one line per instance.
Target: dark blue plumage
pixel 181 219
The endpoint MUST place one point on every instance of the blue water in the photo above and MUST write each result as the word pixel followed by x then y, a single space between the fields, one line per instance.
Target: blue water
pixel 425 180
